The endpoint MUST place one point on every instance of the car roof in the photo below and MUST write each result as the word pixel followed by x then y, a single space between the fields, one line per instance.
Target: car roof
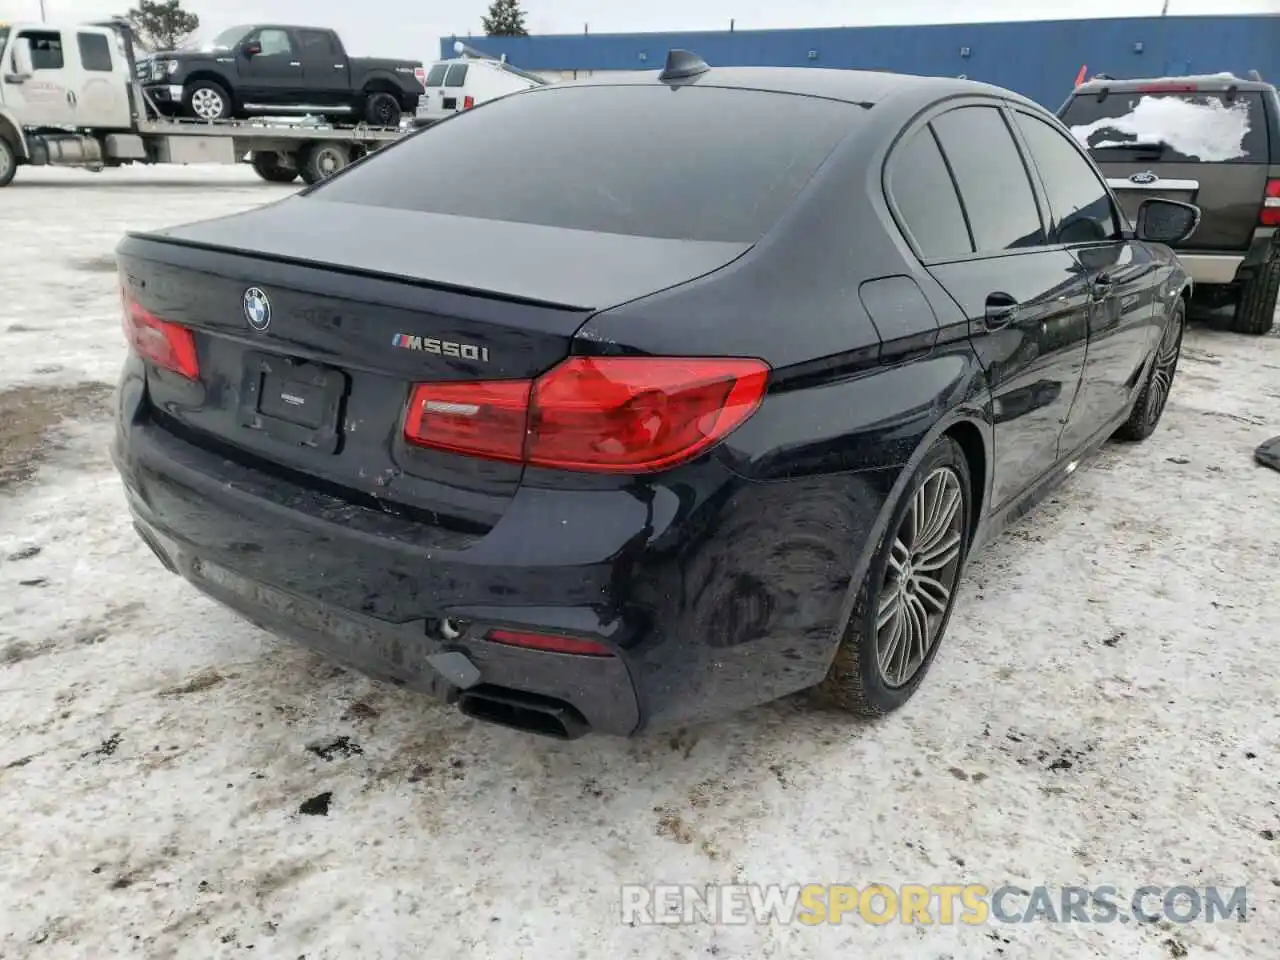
pixel 864 87
pixel 1209 82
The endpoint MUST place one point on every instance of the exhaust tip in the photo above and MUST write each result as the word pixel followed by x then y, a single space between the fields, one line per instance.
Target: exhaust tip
pixel 527 712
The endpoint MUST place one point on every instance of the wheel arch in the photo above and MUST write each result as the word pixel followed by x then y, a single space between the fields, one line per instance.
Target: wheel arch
pixel 210 76
pixel 12 132
pixel 972 431
pixel 380 83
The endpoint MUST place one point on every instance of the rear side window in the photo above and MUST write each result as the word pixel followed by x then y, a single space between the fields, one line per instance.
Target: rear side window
pixel 1184 126
pixel 923 192
pixel 695 163
pixel 456 76
pixel 316 43
pixel 992 179
pixel 1080 203
pixel 95 52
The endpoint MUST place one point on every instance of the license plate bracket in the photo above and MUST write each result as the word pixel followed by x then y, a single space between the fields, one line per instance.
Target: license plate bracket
pixel 293 401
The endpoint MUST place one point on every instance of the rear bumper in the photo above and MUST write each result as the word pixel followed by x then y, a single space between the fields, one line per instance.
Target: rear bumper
pixel 714 595
pixel 1225 267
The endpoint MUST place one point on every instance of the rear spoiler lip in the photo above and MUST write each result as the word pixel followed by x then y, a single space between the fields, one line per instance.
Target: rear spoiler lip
pixel 351 271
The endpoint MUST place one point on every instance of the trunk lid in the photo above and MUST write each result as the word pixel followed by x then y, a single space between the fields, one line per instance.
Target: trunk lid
pixel 310 334
pixel 1207 147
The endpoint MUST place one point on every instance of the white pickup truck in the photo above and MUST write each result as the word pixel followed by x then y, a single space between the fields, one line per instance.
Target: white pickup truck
pixel 70 96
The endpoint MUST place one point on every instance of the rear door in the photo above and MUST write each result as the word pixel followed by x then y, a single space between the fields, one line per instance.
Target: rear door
pixel 1180 141
pixel 965 197
pixel 324 67
pixel 1122 275
pixel 103 99
pixel 453 92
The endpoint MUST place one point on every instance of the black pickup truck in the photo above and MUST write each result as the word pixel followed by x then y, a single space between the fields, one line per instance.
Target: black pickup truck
pixel 268 69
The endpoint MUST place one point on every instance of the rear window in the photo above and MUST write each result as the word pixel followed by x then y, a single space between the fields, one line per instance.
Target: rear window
pixel 695 163
pixel 435 76
pixel 1194 126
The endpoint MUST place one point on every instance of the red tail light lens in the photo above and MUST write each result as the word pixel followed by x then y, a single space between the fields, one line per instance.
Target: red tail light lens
pixel 165 344
pixel 549 643
pixel 1270 216
pixel 593 414
pixel 479 419
pixel 468 103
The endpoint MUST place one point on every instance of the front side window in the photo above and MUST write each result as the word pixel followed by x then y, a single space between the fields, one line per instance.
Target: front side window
pixel 693 163
pixel 991 178
pixel 274 42
pixel 1080 203
pixel 46 49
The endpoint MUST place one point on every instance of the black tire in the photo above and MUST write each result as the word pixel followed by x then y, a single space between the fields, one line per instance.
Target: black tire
pixel 8 162
pixel 207 100
pixel 1149 407
pixel 382 109
pixel 269 167
pixel 856 681
pixel 1256 311
pixel 323 160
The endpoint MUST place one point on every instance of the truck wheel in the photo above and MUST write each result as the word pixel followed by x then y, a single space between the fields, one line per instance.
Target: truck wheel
pixel 382 110
pixel 1256 310
pixel 8 162
pixel 323 160
pixel 206 100
pixel 268 166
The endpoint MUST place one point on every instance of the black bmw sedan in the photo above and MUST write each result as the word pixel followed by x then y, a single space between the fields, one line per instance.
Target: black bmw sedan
pixel 626 403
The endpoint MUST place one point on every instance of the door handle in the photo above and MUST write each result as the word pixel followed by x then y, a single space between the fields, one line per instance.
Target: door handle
pixel 1001 310
pixel 339 66
pixel 295 63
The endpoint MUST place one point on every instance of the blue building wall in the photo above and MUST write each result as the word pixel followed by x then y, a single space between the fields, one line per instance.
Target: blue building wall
pixel 1037 59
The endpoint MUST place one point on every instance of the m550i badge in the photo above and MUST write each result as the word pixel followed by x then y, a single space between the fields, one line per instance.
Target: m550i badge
pixel 443 348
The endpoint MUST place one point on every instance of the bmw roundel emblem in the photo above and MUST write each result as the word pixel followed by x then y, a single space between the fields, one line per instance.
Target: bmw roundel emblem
pixel 1143 178
pixel 257 308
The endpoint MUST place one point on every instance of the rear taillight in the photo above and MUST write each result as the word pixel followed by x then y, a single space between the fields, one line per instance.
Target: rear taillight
pixel 1270 216
pixel 468 103
pixel 593 414
pixel 549 643
pixel 165 344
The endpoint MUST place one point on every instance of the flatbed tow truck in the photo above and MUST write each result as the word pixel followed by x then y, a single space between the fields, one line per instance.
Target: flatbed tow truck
pixel 70 97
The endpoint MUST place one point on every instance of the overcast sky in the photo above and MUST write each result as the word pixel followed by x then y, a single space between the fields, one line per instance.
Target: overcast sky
pixel 412 28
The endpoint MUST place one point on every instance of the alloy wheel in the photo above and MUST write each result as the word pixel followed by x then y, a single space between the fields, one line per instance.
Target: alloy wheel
pixel 206 104
pixel 1165 365
pixel 921 577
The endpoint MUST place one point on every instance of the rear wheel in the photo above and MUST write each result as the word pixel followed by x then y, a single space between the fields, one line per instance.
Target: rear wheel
pixel 206 100
pixel 323 160
pixel 905 600
pixel 271 168
pixel 1149 406
pixel 1256 311
pixel 8 162
pixel 381 109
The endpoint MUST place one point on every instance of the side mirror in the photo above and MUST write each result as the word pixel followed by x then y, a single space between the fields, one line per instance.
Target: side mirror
pixel 22 66
pixel 252 49
pixel 1166 221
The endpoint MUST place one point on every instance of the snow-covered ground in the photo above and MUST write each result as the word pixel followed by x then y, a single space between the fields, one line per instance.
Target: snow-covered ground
pixel 1103 711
